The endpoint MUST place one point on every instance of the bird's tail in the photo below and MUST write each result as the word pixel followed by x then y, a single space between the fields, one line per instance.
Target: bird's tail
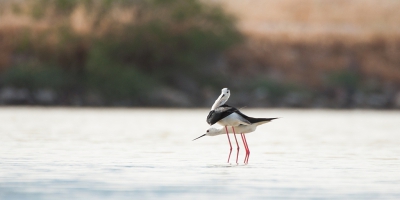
pixel 259 120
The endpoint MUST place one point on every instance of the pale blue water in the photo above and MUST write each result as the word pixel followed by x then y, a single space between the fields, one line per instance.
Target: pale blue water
pixel 72 153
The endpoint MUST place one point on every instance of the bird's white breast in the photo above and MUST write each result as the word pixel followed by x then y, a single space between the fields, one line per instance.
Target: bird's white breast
pixel 238 129
pixel 247 128
pixel 233 119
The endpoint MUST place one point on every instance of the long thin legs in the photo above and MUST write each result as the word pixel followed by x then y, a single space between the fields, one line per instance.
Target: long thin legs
pixel 246 158
pixel 237 144
pixel 230 151
pixel 246 146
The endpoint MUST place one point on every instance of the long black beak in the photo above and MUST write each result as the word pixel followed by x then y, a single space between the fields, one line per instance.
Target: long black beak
pixel 199 137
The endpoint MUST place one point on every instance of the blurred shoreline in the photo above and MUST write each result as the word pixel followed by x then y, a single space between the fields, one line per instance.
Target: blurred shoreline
pixel 22 97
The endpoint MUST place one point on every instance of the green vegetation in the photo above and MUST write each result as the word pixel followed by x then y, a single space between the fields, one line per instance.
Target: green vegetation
pixel 278 93
pixel 344 79
pixel 124 49
pixel 31 78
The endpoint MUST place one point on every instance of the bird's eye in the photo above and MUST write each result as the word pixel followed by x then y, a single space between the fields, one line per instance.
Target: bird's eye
pixel 208 131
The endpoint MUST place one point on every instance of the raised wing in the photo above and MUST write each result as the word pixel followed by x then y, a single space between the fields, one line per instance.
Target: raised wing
pixel 219 113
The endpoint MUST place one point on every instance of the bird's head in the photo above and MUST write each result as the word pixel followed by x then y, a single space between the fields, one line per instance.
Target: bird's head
pixel 225 93
pixel 213 131
pixel 223 98
pixel 210 132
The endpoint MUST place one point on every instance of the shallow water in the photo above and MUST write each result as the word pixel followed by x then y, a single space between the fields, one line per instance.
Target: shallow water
pixel 72 153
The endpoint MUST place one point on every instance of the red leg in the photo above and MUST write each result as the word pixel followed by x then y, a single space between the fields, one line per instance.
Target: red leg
pixel 248 149
pixel 237 144
pixel 226 129
pixel 245 146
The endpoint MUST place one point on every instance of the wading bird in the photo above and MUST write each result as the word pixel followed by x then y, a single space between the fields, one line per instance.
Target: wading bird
pixel 226 115
pixel 242 129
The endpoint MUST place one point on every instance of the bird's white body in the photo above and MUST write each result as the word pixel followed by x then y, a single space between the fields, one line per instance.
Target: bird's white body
pixel 238 129
pixel 233 119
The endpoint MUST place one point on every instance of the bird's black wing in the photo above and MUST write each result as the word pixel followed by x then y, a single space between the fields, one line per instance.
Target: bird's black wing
pixel 241 114
pixel 252 119
pixel 219 113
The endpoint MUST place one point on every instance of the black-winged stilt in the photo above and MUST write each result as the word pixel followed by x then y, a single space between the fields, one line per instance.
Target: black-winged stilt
pixel 226 115
pixel 242 129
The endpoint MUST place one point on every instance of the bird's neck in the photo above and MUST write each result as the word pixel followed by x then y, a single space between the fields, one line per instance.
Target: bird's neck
pixel 222 131
pixel 217 103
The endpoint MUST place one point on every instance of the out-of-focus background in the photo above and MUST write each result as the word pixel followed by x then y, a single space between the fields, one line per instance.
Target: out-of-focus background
pixel 180 53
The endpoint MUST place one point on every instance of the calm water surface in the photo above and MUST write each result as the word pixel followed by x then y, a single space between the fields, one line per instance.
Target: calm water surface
pixel 64 153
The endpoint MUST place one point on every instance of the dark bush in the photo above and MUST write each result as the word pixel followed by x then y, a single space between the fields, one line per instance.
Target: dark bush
pixel 117 56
